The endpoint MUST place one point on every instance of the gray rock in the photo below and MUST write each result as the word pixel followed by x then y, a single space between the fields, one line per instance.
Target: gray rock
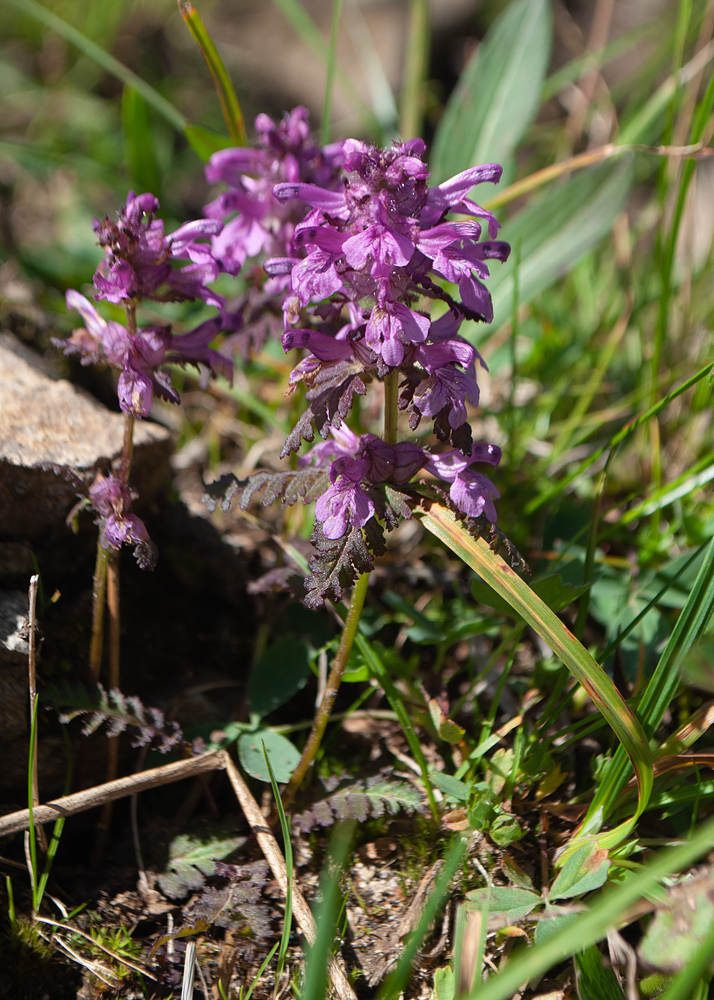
pixel 50 422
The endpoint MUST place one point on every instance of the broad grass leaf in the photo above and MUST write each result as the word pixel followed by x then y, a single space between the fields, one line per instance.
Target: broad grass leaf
pixel 554 232
pixel 586 869
pixel 552 590
pixel 595 982
pixel 282 754
pixel 507 905
pixel 191 860
pixel 476 553
pixel 498 95
pixel 282 671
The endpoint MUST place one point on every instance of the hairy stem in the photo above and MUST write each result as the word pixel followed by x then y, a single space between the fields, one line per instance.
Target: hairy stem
pixel 331 688
pixel 391 392
pixel 99 590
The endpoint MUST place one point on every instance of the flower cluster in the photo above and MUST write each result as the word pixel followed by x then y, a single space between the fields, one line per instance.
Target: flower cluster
pixel 357 461
pixel 141 262
pixel 377 278
pixel 372 256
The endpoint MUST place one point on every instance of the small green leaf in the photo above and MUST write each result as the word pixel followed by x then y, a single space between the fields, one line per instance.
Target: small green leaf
pixel 282 671
pixel 444 984
pixel 282 754
pixel 505 830
pixel 552 926
pixel 448 730
pixel 191 860
pixel 514 873
pixel 507 905
pixel 595 982
pixel 586 869
pixel 450 786
pixel 678 929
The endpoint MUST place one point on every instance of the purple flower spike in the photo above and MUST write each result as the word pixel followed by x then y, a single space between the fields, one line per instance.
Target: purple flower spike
pixel 139 257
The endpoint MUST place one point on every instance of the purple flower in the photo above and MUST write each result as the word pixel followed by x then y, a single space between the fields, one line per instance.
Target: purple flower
pixel 139 258
pixel 345 502
pixel 138 356
pixel 111 499
pixel 471 491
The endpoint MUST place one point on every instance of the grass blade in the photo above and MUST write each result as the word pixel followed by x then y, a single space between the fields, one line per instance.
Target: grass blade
pixel 691 623
pixel 415 70
pixel 617 438
pixel 398 979
pixel 315 987
pixel 230 105
pixel 288 851
pixel 476 553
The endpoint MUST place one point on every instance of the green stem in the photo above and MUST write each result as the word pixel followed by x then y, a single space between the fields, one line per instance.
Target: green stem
pixel 391 390
pixel 334 679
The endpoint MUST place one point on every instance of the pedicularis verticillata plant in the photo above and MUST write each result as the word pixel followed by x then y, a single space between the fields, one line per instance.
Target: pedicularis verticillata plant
pixel 357 261
pixel 350 245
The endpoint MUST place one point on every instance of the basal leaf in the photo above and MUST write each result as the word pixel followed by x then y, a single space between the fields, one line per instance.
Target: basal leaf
pixel 282 754
pixel 281 672
pixel 498 95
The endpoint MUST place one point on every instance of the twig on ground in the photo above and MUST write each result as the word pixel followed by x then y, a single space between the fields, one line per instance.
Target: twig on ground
pixel 269 846
pixel 68 805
